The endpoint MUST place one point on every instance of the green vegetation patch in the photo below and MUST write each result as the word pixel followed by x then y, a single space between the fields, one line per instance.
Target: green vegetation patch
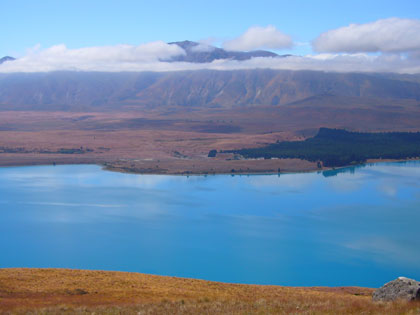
pixel 337 147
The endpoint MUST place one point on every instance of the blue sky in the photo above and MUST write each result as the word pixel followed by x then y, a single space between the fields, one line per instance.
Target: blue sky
pixel 323 35
pixel 82 23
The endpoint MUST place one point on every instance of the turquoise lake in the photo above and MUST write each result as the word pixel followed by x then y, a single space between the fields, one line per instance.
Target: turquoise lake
pixel 355 226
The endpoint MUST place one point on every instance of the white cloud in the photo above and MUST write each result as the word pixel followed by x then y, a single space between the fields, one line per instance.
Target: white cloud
pixel 387 35
pixel 333 63
pixel 105 58
pixel 258 37
pixel 147 57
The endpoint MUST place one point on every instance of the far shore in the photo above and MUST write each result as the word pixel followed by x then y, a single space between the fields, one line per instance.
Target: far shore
pixel 122 142
pixel 301 166
pixel 187 167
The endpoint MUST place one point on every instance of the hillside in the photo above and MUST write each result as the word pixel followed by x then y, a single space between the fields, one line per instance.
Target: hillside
pixel 176 118
pixel 68 291
pixel 198 89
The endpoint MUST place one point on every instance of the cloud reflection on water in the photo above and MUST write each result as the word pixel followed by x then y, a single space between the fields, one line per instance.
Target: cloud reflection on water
pixel 366 217
pixel 386 251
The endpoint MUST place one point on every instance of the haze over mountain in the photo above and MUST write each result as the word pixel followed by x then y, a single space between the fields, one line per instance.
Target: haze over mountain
pixel 202 53
pixel 199 89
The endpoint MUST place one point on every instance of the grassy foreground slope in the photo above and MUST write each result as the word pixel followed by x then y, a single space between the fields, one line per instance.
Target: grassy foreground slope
pixel 61 291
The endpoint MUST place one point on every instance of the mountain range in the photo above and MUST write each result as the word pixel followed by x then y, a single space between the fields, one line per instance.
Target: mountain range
pixel 72 90
pixel 201 88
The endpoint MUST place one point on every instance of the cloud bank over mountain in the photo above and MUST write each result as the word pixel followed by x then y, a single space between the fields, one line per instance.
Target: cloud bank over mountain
pixel 387 45
pixel 105 58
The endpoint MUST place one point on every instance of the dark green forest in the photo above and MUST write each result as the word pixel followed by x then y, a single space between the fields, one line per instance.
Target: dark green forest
pixel 337 147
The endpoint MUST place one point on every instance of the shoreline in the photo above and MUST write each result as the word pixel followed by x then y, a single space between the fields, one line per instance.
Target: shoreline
pixel 258 166
pixel 324 169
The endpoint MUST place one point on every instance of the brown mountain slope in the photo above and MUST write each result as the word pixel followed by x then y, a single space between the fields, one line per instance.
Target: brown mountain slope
pixel 194 89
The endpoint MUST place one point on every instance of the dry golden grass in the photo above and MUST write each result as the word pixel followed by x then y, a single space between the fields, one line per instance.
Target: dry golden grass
pixel 64 291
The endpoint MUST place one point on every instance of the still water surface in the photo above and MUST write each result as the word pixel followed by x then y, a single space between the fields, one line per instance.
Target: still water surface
pixel 357 226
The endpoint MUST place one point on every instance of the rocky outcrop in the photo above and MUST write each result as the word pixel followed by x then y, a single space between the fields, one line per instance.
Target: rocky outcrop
pixel 398 289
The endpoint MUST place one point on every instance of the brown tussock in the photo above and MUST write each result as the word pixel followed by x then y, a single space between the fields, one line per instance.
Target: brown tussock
pixel 58 291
